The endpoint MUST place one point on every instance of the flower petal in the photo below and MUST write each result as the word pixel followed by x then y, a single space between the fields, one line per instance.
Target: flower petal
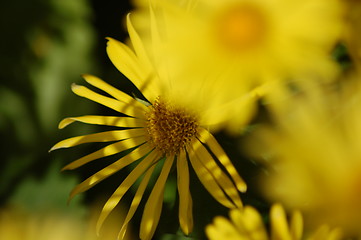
pixel 153 207
pixel 128 122
pixel 110 170
pixel 136 200
pixel 222 229
pixel 137 44
pixel 116 93
pixel 253 224
pixel 124 187
pixel 185 198
pixel 115 135
pixel 111 103
pixel 208 180
pixel 127 63
pixel 221 178
pixel 208 139
pixel 108 136
pixel 279 225
pixel 296 225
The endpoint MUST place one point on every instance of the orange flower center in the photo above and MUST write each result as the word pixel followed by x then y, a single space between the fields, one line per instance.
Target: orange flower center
pixel 241 27
pixel 170 128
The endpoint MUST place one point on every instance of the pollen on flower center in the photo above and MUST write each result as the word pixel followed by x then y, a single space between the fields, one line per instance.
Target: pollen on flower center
pixel 241 27
pixel 170 128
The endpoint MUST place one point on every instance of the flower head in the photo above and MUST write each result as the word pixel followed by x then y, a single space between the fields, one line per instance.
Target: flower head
pixel 160 131
pixel 247 224
pixel 239 45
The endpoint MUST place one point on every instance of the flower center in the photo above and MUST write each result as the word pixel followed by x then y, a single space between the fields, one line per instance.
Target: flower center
pixel 241 27
pixel 170 128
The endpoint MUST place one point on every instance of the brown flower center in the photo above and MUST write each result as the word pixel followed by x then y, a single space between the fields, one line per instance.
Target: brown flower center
pixel 170 128
pixel 241 27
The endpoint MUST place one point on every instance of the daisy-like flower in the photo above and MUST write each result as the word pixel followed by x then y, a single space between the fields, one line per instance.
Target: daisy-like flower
pixel 240 44
pixel 247 224
pixel 160 131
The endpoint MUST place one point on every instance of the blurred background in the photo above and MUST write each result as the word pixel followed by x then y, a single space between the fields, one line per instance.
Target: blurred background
pixel 45 46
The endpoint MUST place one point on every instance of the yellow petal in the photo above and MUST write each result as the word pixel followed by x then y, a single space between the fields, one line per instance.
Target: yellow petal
pixel 124 187
pixel 153 207
pixel 157 45
pixel 127 63
pixel 222 228
pixel 110 170
pixel 208 139
pixel 116 93
pixel 104 120
pixel 111 103
pixel 104 152
pixel 238 219
pixel 135 202
pixel 208 180
pixel 279 225
pixel 185 198
pixel 137 44
pixel 101 137
pixel 296 225
pixel 253 224
pixel 222 179
pixel 213 233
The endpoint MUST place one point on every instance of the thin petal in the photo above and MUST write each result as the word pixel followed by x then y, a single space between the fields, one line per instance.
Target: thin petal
pixel 296 225
pixel 111 103
pixel 110 170
pixel 222 179
pixel 116 93
pixel 157 45
pixel 127 63
pixel 207 180
pixel 137 43
pixel 124 187
pixel 185 198
pixel 135 202
pixel 108 136
pixel 279 225
pixel 128 122
pixel 153 207
pixel 208 139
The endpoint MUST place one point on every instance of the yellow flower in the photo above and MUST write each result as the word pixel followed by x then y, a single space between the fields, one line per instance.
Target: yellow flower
pixel 160 132
pixel 247 223
pixel 238 45
pixel 313 154
pixel 18 224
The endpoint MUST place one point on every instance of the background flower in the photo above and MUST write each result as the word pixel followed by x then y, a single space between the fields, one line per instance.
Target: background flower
pixel 312 154
pixel 247 223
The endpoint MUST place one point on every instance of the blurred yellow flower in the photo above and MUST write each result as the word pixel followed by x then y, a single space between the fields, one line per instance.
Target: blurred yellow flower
pixel 159 131
pixel 247 224
pixel 16 224
pixel 240 44
pixel 313 154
